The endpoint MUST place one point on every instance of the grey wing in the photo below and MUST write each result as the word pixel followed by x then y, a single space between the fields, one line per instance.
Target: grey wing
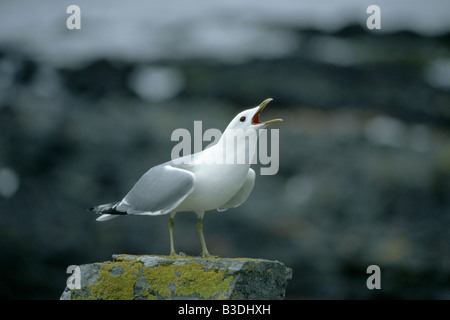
pixel 243 193
pixel 158 191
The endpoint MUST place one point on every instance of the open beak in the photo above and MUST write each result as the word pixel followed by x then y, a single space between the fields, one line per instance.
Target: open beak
pixel 255 119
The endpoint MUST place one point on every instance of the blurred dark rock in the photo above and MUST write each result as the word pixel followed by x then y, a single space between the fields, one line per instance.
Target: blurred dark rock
pixel 146 277
pixel 97 79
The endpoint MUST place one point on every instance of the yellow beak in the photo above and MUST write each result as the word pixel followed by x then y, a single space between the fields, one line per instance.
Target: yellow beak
pixel 255 119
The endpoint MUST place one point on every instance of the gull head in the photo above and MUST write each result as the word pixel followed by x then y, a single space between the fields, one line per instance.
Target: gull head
pixel 249 119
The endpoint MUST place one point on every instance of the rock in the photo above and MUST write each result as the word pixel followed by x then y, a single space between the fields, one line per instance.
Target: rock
pixel 131 277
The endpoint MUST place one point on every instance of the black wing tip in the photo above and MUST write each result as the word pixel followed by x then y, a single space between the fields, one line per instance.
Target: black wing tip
pixel 108 209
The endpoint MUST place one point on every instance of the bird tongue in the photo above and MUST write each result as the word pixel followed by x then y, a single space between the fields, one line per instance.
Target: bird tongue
pixel 255 119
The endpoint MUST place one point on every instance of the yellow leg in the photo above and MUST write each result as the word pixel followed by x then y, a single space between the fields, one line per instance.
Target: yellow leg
pixel 172 249
pixel 205 252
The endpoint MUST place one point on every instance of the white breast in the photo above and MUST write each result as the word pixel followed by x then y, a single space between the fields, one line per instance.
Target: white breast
pixel 215 185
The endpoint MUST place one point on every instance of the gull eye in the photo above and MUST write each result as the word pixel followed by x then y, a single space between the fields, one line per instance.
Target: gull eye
pixel 242 119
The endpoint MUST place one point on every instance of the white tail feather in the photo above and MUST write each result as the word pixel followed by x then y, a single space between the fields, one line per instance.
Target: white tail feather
pixel 106 217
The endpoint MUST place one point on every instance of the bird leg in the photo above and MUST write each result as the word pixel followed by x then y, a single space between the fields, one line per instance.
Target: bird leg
pixel 205 252
pixel 172 249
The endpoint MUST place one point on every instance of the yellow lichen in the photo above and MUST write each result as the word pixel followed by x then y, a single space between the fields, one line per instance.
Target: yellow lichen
pixel 206 282
pixel 117 280
pixel 118 286
pixel 146 294
pixel 188 279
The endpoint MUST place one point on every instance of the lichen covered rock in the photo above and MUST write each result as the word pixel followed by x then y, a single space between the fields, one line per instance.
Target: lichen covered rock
pixel 130 277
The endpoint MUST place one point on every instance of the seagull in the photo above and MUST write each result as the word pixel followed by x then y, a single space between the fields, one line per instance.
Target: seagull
pixel 199 182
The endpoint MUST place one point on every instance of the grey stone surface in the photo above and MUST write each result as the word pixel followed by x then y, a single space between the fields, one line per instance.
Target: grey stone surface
pixel 161 277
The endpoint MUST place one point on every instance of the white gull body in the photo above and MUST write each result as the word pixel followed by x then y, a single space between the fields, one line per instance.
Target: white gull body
pixel 204 181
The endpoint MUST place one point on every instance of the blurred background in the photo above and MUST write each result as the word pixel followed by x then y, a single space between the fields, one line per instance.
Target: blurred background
pixel 364 173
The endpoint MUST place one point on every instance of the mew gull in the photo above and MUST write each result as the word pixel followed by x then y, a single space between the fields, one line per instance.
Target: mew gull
pixel 207 180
